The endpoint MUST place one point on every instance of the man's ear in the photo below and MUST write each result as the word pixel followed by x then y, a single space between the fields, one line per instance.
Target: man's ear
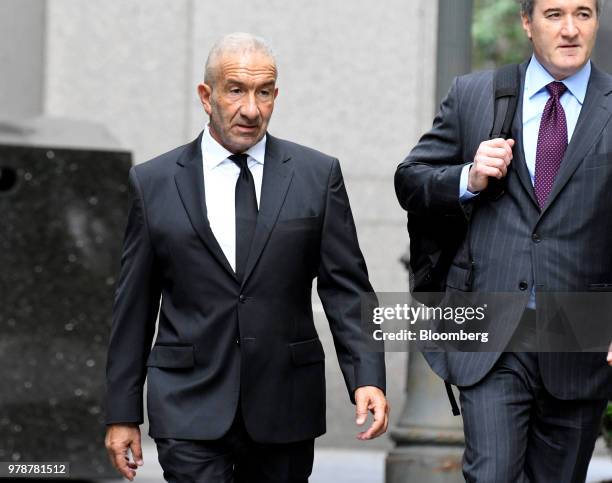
pixel 526 21
pixel 205 93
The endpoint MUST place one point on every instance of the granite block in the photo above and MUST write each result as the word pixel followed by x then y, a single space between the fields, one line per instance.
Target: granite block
pixel 63 213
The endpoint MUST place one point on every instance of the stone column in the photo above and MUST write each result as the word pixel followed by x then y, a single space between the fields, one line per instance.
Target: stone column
pixel 429 439
pixel 454 55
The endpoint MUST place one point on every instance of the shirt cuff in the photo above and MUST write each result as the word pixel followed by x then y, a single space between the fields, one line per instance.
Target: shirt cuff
pixel 464 194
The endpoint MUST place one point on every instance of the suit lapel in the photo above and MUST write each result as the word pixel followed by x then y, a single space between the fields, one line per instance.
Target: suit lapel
pixel 594 116
pixel 189 178
pixel 277 175
pixel 520 163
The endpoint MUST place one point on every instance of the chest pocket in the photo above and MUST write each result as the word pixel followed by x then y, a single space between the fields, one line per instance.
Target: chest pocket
pixel 598 161
pixel 296 224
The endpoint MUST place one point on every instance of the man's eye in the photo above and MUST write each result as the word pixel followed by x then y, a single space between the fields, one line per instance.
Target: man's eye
pixel 553 15
pixel 235 90
pixel 264 93
pixel 584 15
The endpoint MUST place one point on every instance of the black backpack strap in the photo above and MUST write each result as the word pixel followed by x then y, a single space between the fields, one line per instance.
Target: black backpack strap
pixel 506 92
pixel 506 84
pixel 451 398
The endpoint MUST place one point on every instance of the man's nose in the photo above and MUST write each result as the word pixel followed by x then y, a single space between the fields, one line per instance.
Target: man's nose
pixel 570 29
pixel 249 107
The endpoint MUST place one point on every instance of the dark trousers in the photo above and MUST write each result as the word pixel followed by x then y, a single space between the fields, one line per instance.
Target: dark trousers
pixel 235 458
pixel 517 432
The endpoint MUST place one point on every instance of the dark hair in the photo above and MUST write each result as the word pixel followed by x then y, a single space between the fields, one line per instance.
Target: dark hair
pixel 527 7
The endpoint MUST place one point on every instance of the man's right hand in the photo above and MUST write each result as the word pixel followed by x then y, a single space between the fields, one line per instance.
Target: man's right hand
pixel 491 161
pixel 120 437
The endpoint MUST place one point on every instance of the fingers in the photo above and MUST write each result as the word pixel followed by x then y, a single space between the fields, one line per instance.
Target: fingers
pixel 499 143
pixel 491 161
pixel 119 459
pixel 372 399
pixel 361 408
pixel 136 449
pixel 610 356
pixel 504 154
pixel 386 423
pixel 379 424
pixel 120 438
pixel 490 167
pixel 493 153
pixel 375 427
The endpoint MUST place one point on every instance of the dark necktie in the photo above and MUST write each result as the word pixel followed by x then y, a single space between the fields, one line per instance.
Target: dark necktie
pixel 552 143
pixel 246 212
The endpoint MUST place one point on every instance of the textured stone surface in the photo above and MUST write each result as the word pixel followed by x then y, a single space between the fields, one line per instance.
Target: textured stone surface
pixel 63 213
pixel 22 46
pixel 122 63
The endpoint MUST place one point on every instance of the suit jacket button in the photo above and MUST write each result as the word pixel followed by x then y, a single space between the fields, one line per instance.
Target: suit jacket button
pixel 536 238
pixel 523 285
pixel 242 298
pixel 238 341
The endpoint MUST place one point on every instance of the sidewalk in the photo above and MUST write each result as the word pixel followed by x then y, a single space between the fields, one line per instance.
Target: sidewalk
pixel 347 466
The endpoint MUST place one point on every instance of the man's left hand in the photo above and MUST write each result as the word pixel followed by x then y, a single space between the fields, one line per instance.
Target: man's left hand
pixel 371 399
pixel 610 355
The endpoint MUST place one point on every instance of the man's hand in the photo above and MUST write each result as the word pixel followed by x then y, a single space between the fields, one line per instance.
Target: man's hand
pixel 372 399
pixel 610 355
pixel 120 437
pixel 491 161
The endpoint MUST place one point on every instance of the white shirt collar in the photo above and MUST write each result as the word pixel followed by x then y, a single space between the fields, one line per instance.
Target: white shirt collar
pixel 214 154
pixel 537 78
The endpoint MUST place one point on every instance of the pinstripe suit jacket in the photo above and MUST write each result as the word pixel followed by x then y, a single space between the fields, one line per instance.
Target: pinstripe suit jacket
pixel 572 249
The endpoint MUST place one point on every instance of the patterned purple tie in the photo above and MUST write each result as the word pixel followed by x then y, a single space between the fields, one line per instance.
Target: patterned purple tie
pixel 552 143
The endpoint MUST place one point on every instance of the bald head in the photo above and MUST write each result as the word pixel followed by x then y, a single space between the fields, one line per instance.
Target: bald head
pixel 239 90
pixel 235 44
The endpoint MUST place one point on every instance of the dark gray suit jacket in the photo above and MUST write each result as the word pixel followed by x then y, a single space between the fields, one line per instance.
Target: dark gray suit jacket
pixel 219 340
pixel 566 247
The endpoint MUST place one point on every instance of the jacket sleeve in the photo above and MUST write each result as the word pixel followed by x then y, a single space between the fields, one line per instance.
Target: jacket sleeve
pixel 342 284
pixel 134 315
pixel 427 181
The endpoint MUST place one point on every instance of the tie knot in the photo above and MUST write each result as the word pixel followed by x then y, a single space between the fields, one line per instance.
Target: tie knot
pixel 240 160
pixel 556 89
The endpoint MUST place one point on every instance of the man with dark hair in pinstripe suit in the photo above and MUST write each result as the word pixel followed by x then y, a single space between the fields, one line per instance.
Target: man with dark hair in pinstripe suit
pixel 528 416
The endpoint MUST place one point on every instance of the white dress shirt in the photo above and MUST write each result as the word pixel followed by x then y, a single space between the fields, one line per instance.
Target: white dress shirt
pixel 220 177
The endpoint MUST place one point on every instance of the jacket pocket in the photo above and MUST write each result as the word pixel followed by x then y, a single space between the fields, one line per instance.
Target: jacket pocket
pixel 309 222
pixel 172 357
pixel 600 160
pixel 307 352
